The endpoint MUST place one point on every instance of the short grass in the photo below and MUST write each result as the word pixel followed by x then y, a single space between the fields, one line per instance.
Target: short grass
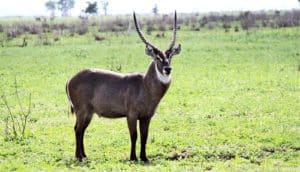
pixel 233 105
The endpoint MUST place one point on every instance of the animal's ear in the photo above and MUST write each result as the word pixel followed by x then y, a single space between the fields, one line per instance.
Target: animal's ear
pixel 177 49
pixel 150 51
pixel 174 51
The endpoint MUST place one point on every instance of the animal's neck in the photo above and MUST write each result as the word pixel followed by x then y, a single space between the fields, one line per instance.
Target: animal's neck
pixel 154 84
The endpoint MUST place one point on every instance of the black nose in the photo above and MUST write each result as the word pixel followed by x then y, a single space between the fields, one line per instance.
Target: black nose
pixel 167 70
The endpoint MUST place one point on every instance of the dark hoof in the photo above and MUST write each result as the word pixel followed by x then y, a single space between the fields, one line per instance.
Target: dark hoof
pixel 146 160
pixel 79 159
pixel 133 159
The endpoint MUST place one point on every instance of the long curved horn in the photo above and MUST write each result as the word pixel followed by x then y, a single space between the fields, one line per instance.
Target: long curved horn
pixel 174 32
pixel 140 32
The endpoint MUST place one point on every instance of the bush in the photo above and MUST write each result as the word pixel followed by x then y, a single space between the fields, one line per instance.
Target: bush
pixel 150 26
pixel 43 39
pixel 56 38
pixel 288 19
pixel 99 38
pixel 265 23
pixel 1 28
pixel 194 27
pixel 82 28
pixel 204 21
pixel 162 27
pixel 226 26
pixel 247 20
pixel 3 40
pixel 13 32
pixel 29 27
pixel 211 26
pixel 46 27
pixel 60 27
pixel 114 25
pixel 236 29
pixel 35 29
pixel 16 121
pixel 79 28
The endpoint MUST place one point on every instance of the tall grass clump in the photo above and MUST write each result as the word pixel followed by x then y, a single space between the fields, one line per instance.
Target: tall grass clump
pixel 16 118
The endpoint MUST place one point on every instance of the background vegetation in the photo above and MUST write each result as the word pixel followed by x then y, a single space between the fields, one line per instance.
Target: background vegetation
pixel 234 102
pixel 50 30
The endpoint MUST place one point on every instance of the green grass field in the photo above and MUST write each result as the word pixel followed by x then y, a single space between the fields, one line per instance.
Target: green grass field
pixel 233 105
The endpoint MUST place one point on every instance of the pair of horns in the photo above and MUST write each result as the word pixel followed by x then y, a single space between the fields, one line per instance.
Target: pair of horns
pixel 147 42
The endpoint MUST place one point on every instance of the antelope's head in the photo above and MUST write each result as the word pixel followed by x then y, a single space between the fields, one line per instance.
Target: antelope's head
pixel 162 59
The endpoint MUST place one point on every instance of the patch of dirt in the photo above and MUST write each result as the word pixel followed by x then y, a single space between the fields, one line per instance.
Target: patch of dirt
pixel 178 156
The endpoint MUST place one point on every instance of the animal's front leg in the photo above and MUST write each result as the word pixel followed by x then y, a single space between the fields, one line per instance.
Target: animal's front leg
pixel 131 121
pixel 144 125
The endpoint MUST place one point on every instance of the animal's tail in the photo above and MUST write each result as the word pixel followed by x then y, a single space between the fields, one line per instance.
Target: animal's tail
pixel 69 98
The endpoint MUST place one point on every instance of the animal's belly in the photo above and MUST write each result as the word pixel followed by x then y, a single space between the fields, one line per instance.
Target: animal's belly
pixel 110 111
pixel 111 106
pixel 111 115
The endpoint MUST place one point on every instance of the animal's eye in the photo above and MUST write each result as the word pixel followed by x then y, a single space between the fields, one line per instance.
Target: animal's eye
pixel 158 58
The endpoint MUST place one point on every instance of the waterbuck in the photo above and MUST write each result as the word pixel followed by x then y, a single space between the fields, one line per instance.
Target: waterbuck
pixel 113 95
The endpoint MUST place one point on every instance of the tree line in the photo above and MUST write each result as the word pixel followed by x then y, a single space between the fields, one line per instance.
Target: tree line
pixel 64 6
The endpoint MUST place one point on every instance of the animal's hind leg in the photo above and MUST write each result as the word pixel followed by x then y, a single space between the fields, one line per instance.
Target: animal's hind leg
pixel 131 121
pixel 83 119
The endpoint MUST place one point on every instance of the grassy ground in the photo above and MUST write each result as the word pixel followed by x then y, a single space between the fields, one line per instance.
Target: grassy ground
pixel 234 103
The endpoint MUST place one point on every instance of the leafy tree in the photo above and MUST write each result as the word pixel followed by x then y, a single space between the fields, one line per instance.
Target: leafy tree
pixel 51 6
pixel 105 6
pixel 155 9
pixel 65 5
pixel 92 8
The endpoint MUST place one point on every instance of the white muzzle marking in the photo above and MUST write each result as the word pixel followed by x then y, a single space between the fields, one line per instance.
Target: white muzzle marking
pixel 162 77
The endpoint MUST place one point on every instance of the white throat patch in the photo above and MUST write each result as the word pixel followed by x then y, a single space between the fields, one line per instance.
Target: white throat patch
pixel 161 77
